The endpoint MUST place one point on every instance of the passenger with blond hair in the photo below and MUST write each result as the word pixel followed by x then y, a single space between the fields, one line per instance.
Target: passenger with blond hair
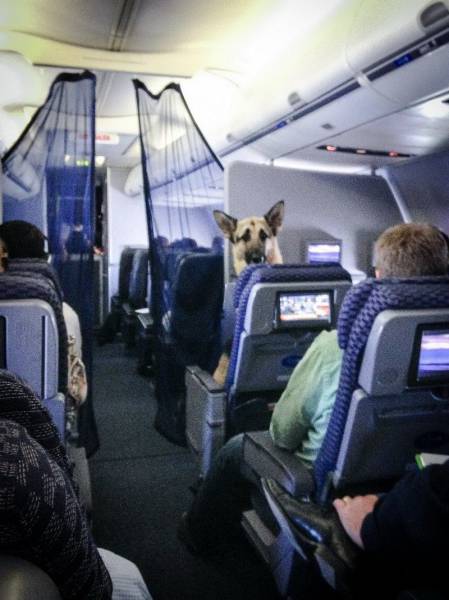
pixel 302 414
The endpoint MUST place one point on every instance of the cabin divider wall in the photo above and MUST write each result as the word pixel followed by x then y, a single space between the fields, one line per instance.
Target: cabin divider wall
pixel 424 185
pixel 353 208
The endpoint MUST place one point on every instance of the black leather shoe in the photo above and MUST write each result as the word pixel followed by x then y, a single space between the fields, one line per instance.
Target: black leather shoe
pixel 316 533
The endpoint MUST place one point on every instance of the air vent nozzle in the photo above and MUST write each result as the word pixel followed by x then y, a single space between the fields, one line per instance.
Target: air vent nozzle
pixel 294 98
pixel 434 15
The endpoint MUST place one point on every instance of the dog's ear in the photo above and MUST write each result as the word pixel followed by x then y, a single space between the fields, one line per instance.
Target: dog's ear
pixel 227 224
pixel 275 216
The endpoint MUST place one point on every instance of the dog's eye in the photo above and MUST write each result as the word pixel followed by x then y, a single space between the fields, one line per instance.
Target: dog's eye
pixel 246 236
pixel 263 236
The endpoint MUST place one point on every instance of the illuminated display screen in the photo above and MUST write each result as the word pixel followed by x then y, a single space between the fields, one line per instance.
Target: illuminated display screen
pixel 323 252
pixel 433 359
pixel 304 308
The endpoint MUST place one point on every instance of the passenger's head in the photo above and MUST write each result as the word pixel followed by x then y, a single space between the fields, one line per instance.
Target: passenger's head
pixel 410 250
pixel 23 240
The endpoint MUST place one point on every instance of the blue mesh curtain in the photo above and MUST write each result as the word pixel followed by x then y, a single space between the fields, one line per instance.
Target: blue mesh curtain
pixel 183 183
pixel 49 181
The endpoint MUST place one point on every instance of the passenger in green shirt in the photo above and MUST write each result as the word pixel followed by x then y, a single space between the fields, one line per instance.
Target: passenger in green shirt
pixel 301 415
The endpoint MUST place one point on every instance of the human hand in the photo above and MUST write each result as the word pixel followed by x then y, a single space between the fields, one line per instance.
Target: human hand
pixel 352 512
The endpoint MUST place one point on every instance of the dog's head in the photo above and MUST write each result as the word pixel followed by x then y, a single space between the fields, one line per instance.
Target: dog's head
pixel 253 239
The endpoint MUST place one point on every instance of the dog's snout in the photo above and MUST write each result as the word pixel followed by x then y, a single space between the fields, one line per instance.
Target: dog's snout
pixel 254 257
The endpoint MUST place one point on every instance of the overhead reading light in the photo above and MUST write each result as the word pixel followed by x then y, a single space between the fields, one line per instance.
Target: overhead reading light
pixel 294 98
pixel 364 151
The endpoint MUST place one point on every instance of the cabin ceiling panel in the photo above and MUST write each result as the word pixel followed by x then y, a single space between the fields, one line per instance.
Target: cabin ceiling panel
pixel 84 22
pixel 380 28
pixel 401 132
pixel 361 105
pixel 418 79
pixel 336 161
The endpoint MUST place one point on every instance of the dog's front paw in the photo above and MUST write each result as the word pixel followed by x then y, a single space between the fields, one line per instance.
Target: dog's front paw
pixel 221 371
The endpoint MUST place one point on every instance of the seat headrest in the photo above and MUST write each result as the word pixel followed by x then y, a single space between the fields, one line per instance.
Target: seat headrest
pixel 263 273
pixel 366 297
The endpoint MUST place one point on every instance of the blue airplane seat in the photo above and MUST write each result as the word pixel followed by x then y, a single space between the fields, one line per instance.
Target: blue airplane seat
pixel 191 335
pixel 392 402
pixel 112 324
pixel 137 296
pixel 124 274
pixel 39 266
pixel 265 350
pixel 34 336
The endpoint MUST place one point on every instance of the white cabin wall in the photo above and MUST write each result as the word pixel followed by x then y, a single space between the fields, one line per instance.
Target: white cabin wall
pixel 424 185
pixel 353 208
pixel 126 222
pixel 196 222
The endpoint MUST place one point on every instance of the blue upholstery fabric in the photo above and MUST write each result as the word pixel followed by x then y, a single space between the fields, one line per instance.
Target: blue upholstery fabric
pixel 243 279
pixel 19 403
pixel 196 307
pixel 40 266
pixel 16 287
pixel 354 301
pixel 361 306
pixel 276 274
pixel 41 519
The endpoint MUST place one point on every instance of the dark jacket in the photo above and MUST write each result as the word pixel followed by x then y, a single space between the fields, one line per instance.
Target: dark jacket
pixel 407 534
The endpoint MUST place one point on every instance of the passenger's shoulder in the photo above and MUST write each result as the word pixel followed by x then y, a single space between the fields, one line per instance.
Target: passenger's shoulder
pixel 327 344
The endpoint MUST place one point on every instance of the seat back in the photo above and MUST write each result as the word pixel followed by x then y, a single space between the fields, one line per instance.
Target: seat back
pixel 38 266
pixel 267 345
pixel 138 280
pixel 34 332
pixel 124 272
pixel 197 300
pixel 386 410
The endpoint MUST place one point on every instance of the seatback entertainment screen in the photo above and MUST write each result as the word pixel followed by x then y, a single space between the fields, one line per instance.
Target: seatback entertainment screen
pixel 323 252
pixel 432 365
pixel 307 309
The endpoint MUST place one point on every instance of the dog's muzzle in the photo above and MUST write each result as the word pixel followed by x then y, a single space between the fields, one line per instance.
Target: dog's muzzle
pixel 254 257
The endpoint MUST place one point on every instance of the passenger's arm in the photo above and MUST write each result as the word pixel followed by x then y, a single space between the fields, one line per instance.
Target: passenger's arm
pixel 413 516
pixel 352 513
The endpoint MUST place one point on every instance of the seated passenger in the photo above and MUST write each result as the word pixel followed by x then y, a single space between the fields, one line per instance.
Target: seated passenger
pixel 403 534
pixel 25 240
pixel 301 415
pixel 41 517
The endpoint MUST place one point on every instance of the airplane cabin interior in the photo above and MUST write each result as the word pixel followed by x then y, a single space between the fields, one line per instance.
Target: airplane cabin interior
pixel 207 182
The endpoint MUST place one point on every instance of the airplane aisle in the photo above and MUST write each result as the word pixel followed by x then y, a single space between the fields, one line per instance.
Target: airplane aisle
pixel 140 488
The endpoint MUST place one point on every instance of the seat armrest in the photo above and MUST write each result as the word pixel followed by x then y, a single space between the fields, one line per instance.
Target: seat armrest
pixel 57 409
pixel 317 535
pixel 269 461
pixel 22 580
pixel 145 321
pixel 205 378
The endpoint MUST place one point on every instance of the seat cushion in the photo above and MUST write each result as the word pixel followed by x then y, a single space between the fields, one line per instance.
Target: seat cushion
pixel 41 519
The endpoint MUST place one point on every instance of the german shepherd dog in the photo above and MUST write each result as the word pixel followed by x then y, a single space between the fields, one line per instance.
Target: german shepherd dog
pixel 254 240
